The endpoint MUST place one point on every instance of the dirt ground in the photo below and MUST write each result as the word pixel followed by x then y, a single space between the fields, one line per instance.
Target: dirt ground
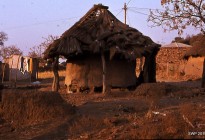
pixel 151 111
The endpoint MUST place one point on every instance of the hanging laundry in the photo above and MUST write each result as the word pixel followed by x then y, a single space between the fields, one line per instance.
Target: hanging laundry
pixel 22 65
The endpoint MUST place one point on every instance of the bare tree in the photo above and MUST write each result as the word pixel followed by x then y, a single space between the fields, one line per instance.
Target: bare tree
pixel 37 51
pixel 178 14
pixel 33 54
pixel 3 38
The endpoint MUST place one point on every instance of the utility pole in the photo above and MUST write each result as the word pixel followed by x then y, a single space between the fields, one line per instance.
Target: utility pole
pixel 125 9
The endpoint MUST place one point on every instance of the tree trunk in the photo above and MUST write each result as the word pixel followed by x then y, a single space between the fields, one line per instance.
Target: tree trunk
pixel 203 76
pixel 55 85
pixel 104 72
pixel 146 70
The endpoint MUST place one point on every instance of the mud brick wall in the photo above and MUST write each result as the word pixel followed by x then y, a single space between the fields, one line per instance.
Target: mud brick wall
pixel 172 66
pixel 171 54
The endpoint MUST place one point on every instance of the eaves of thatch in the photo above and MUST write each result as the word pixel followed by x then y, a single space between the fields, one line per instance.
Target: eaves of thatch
pixel 100 31
pixel 195 52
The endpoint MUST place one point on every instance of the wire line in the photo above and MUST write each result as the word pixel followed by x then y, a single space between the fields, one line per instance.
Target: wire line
pixel 39 23
pixel 119 12
pixel 138 12
pixel 129 2
pixel 140 8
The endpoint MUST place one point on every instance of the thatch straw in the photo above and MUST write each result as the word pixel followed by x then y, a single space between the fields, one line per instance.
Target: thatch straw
pixel 99 30
pixel 195 52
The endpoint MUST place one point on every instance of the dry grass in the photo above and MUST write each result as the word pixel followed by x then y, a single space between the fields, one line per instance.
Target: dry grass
pixel 30 107
pixel 83 126
pixel 49 74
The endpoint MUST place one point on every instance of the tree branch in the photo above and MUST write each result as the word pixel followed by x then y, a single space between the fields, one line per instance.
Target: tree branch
pixel 178 14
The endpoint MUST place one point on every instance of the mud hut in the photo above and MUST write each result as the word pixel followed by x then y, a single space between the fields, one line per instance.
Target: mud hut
pixel 197 52
pixel 102 51
pixel 170 62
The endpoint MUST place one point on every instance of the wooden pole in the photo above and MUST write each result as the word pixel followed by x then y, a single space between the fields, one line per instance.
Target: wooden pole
pixel 4 65
pixel 141 63
pixel 167 65
pixel 203 76
pixel 55 85
pixel 125 9
pixel 104 72
pixel 37 65
pixel 149 69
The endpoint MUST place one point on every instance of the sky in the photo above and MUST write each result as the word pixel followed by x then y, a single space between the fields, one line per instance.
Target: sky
pixel 28 22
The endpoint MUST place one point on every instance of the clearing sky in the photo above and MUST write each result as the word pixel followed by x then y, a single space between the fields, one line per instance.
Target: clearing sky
pixel 27 22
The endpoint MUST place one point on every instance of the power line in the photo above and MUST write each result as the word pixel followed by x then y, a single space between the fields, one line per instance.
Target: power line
pixel 119 12
pixel 140 8
pixel 39 23
pixel 139 12
pixel 129 2
pixel 116 10
pixel 135 10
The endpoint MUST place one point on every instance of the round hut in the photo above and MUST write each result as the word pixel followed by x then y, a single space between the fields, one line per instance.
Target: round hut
pixel 101 51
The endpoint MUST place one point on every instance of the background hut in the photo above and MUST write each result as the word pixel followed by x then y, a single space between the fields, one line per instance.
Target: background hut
pixel 18 68
pixel 199 53
pixel 170 62
pixel 102 51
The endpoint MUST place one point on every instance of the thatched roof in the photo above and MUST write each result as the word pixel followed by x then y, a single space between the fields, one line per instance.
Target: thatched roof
pixel 99 30
pixel 195 52
pixel 175 44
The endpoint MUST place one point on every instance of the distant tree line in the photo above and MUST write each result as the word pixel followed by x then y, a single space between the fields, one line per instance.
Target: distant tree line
pixel 194 40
